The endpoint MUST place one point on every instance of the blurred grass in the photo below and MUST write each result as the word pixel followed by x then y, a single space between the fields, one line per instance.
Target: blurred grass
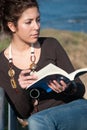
pixel 4 41
pixel 74 43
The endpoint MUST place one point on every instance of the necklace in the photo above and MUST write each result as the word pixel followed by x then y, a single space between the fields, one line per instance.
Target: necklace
pixel 11 71
pixel 33 59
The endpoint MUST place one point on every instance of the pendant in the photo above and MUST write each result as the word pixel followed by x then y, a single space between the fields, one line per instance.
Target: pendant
pixel 11 72
pixel 33 66
pixel 13 83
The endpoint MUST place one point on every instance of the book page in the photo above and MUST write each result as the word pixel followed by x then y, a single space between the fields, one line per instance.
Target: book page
pixel 77 73
pixel 51 69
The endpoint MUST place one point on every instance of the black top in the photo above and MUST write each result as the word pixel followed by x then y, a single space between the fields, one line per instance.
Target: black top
pixel 51 52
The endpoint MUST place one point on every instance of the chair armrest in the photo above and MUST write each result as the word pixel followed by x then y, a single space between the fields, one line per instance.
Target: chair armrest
pixel 1 109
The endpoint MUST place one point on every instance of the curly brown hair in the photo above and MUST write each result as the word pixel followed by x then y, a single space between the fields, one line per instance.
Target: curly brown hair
pixel 11 11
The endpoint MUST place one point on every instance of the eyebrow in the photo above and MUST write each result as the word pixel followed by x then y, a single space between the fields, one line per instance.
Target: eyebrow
pixel 32 18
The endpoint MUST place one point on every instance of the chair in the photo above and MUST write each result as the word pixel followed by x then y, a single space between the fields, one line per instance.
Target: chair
pixel 1 109
pixel 12 122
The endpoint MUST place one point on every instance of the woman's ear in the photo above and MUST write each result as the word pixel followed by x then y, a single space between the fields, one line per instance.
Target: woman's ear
pixel 11 26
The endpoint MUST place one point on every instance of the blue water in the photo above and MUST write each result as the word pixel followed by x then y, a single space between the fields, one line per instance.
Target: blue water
pixel 64 14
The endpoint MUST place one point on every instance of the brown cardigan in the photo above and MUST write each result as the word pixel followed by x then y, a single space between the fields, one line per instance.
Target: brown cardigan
pixel 51 52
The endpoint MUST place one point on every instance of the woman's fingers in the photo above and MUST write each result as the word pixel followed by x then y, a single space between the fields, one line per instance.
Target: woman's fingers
pixel 57 87
pixel 25 79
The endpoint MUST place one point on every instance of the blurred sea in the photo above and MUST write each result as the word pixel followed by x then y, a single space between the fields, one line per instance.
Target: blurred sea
pixel 64 14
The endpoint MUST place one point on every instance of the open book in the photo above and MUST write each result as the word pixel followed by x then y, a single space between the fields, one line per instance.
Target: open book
pixel 52 72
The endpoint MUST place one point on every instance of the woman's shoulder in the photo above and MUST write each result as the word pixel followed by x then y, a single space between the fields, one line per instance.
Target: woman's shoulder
pixel 2 54
pixel 48 41
pixel 2 58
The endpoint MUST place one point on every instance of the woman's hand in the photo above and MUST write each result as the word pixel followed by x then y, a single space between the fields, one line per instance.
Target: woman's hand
pixel 25 79
pixel 57 87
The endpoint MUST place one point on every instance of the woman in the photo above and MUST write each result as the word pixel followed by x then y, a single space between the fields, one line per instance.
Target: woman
pixel 27 53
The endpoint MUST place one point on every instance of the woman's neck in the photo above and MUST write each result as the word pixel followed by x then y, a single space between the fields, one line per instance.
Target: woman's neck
pixel 18 47
pixel 23 47
pixel 21 54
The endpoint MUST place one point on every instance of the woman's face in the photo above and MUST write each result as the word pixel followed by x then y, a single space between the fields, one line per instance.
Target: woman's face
pixel 28 26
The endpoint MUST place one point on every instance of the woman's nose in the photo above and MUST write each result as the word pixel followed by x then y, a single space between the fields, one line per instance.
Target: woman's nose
pixel 36 25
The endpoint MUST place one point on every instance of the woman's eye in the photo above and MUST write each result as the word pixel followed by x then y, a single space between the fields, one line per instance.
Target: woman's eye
pixel 38 20
pixel 28 22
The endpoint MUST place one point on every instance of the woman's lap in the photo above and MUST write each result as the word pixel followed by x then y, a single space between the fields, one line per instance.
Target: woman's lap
pixel 70 116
